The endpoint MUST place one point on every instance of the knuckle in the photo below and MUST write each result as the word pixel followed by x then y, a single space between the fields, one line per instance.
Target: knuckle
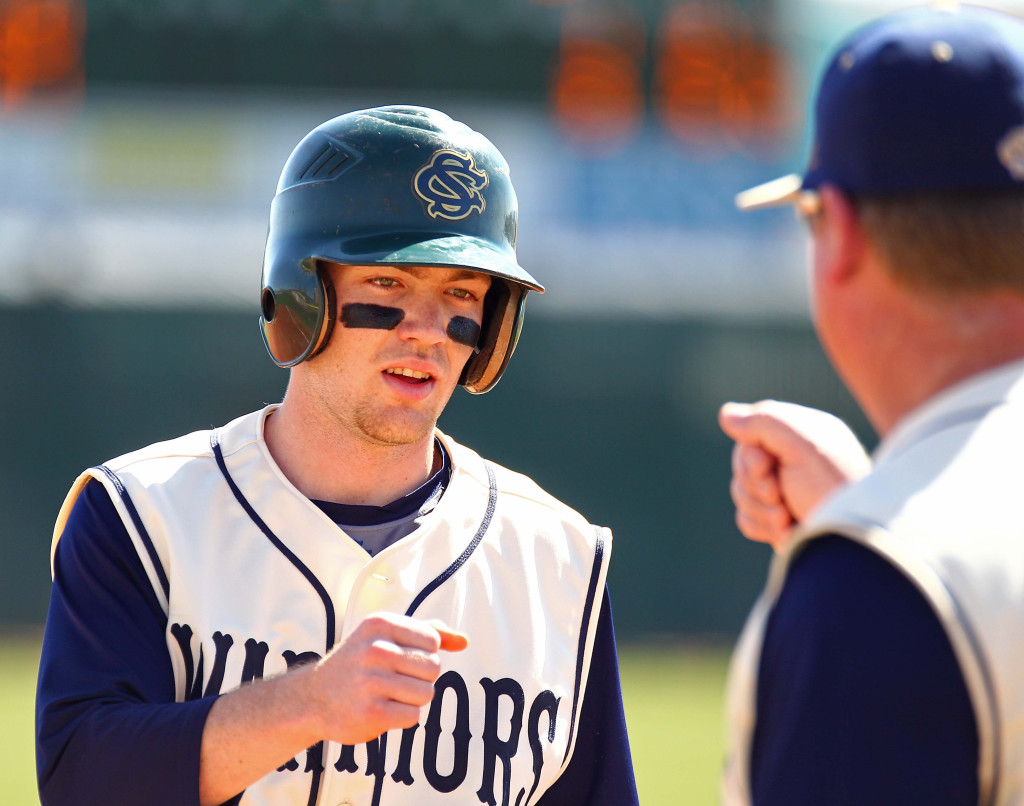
pixel 405 715
pixel 766 491
pixel 408 718
pixel 380 652
pixel 423 692
pixel 738 460
pixel 424 637
pixel 432 666
pixel 743 523
pixel 377 622
pixel 376 686
pixel 738 495
pixel 433 640
pixel 758 460
pixel 376 710
pixel 751 528
pixel 420 665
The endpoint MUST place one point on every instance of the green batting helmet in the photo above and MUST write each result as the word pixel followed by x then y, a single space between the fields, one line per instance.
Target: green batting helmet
pixel 395 185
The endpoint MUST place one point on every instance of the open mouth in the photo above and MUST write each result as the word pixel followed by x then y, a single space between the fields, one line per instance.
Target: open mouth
pixel 408 375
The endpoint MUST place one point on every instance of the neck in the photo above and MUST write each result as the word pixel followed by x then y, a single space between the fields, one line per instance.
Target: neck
pixel 326 462
pixel 940 343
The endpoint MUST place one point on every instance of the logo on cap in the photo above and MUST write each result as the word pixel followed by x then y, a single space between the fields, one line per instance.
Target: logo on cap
pixel 1011 152
pixel 450 185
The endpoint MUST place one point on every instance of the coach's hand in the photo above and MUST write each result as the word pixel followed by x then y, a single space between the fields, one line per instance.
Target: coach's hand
pixel 786 460
pixel 380 676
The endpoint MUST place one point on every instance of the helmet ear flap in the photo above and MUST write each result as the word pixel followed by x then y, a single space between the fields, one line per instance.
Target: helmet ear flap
pixel 503 321
pixel 296 319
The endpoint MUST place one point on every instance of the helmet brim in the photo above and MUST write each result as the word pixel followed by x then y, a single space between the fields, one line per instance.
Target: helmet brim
pixel 462 251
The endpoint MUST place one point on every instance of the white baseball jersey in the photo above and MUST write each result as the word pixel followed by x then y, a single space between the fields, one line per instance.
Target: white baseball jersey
pixel 255 578
pixel 942 505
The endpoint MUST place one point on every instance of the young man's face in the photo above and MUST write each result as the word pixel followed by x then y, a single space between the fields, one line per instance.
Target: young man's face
pixel 402 338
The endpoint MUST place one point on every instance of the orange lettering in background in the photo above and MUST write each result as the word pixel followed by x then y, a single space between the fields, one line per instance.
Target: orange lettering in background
pixel 716 84
pixel 40 48
pixel 597 93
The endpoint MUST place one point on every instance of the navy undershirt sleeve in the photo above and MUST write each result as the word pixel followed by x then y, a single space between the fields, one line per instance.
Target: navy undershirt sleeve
pixel 860 698
pixel 600 772
pixel 107 727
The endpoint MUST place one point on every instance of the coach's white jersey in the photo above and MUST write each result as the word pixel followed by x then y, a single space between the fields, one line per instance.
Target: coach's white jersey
pixel 943 504
pixel 255 579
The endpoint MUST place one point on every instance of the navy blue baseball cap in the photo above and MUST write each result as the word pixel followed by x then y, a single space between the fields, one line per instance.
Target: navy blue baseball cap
pixel 926 99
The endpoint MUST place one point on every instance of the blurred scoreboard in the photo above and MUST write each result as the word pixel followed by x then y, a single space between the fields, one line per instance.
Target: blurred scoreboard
pixel 41 47
pixel 709 72
pixel 713 73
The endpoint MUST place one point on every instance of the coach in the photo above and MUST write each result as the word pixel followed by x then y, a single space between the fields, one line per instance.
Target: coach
pixel 884 662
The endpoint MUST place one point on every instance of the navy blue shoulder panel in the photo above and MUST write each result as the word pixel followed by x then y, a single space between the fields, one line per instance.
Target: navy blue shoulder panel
pixel 492 500
pixel 278 544
pixel 588 610
pixel 133 513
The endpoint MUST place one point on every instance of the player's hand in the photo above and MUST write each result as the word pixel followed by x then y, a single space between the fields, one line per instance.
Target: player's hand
pixel 379 677
pixel 786 460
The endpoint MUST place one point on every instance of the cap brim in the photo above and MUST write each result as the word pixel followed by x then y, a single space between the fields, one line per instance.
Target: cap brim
pixel 778 192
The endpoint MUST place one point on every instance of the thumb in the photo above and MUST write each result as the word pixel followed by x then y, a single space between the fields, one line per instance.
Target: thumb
pixel 451 640
pixel 738 422
pixel 765 424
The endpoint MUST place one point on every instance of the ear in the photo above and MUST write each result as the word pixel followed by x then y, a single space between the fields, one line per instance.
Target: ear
pixel 838 237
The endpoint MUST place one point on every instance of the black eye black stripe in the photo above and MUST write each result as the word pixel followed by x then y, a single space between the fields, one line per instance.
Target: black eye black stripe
pixel 460 329
pixel 464 330
pixel 377 317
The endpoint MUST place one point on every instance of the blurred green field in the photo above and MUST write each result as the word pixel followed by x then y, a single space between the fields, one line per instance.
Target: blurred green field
pixel 672 694
pixel 673 697
pixel 19 658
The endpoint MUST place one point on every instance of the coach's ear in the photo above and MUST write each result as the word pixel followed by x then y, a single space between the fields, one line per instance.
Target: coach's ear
pixel 839 239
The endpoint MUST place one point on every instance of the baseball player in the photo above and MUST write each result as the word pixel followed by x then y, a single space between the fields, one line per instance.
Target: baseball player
pixel 328 600
pixel 882 664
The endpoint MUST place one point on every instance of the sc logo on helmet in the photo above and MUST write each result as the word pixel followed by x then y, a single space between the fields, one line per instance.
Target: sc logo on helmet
pixel 450 186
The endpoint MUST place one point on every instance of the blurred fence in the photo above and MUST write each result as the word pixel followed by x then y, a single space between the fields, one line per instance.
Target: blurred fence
pixel 617 418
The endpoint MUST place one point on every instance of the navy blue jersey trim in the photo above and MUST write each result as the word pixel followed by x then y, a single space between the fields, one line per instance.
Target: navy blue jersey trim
pixel 133 513
pixel 310 577
pixel 492 500
pixel 588 610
